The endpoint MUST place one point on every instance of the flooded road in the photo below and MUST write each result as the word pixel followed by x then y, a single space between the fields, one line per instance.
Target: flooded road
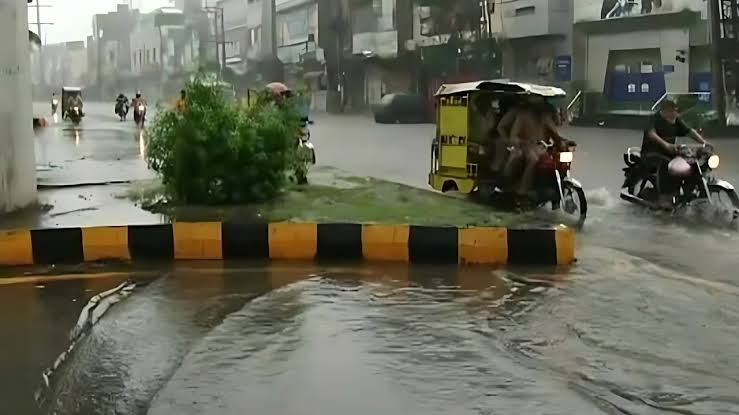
pixel 613 337
pixel 645 323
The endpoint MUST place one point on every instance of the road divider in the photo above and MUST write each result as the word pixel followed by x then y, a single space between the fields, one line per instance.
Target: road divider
pixel 289 241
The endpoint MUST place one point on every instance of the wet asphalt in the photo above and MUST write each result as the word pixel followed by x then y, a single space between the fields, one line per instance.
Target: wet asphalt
pixel 645 323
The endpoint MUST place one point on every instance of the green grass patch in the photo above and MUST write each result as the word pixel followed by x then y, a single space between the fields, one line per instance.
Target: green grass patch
pixel 336 199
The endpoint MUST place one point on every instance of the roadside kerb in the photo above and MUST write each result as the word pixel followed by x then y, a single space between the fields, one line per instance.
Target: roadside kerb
pixel 289 241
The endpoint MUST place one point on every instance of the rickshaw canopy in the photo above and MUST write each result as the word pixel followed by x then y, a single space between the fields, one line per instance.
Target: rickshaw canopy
pixel 72 89
pixel 500 86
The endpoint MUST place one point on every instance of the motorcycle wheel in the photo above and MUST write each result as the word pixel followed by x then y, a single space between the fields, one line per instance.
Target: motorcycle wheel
pixel 726 201
pixel 574 202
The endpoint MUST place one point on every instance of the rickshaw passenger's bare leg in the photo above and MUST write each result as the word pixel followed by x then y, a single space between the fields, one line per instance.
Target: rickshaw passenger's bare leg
pixel 531 157
pixel 514 156
pixel 501 151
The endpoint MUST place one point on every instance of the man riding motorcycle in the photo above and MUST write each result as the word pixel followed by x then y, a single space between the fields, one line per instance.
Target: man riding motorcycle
pixel 139 100
pixel 658 147
pixel 121 106
pixel 136 103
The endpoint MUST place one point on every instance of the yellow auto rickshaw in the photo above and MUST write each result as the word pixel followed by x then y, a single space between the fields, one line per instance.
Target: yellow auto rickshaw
pixel 461 157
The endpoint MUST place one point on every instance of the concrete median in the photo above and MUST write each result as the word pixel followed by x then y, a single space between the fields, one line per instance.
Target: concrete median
pixel 290 241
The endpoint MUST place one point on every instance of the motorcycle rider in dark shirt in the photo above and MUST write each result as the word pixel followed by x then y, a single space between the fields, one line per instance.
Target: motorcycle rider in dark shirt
pixel 658 146
pixel 121 102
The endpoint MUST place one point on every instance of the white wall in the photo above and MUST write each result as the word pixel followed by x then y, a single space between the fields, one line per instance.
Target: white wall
pixel 668 41
pixel 17 159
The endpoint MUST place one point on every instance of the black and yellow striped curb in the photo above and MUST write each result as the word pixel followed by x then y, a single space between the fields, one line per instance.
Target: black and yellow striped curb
pixel 287 240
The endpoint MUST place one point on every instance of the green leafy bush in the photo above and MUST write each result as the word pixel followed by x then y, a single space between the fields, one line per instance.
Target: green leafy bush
pixel 217 152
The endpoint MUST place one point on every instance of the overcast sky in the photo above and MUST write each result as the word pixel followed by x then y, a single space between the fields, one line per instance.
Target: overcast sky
pixel 73 18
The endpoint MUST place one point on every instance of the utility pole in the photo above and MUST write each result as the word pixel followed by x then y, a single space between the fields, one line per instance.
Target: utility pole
pixel 717 85
pixel 223 43
pixel 38 24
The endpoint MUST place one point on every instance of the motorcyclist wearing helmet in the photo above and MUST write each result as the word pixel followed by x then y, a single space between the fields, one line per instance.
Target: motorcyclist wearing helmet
pixel 658 146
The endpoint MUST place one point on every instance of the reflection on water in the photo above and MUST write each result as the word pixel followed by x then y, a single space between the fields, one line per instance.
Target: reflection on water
pixel 142 144
pixel 76 138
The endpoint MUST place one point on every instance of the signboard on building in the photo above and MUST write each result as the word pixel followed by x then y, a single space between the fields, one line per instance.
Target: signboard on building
pixel 593 10
pixel 563 68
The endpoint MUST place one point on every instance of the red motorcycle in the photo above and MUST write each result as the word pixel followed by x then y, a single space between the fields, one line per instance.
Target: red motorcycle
pixel 552 183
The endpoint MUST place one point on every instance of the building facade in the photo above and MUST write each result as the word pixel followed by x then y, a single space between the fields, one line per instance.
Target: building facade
pixel 535 38
pixel 296 34
pixel 64 64
pixel 163 52
pixel 111 41
pixel 380 59
pixel 636 52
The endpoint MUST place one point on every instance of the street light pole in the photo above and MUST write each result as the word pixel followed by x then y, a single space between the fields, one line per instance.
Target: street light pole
pixel 223 44
pixel 717 87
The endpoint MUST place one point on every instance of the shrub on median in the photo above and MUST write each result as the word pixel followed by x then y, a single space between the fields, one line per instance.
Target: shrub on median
pixel 215 151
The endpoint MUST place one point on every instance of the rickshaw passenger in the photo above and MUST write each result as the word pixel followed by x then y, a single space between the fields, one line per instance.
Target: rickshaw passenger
pixel 508 111
pixel 75 101
pixel 484 118
pixel 542 127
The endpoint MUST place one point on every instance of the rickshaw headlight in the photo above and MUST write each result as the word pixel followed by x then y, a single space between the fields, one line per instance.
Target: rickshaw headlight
pixel 713 161
pixel 565 157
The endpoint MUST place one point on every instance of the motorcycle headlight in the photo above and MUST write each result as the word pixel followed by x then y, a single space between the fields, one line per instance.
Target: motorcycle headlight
pixel 713 161
pixel 141 107
pixel 565 157
pixel 54 102
pixel 76 108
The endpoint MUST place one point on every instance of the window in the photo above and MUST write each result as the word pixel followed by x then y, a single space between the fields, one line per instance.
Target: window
pixel 254 35
pixel 148 56
pixel 135 56
pixel 154 55
pixel 631 88
pixel 141 57
pixel 523 11
pixel 645 88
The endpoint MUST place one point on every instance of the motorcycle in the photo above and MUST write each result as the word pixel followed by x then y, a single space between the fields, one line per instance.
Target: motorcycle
pixel 75 114
pixel 552 183
pixel 306 155
pixel 139 115
pixel 121 109
pixel 697 183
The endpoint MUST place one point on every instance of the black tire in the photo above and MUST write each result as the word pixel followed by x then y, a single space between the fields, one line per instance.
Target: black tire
pixel 731 197
pixel 576 195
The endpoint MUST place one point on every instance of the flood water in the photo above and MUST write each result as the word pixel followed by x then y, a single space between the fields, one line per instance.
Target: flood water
pixel 299 339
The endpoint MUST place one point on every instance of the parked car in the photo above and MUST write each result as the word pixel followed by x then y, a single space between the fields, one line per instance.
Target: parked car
pixel 401 108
